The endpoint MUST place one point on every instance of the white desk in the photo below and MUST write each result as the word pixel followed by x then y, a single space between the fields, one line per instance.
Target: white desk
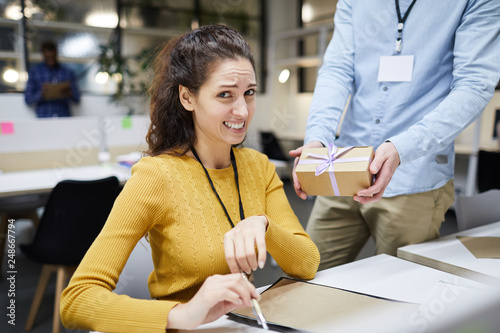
pixel 450 255
pixel 383 276
pixel 40 181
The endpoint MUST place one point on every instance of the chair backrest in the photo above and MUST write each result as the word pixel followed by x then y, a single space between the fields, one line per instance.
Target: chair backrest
pixel 74 215
pixel 271 146
pixel 133 280
pixel 488 165
pixel 478 210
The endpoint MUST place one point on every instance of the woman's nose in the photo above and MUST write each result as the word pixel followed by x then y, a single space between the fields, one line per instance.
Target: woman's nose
pixel 240 107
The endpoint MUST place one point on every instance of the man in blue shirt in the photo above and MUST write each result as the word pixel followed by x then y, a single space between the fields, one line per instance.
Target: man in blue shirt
pixel 51 86
pixel 418 73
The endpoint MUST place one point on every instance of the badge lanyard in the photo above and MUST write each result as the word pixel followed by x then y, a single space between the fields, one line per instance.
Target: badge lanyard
pixel 235 169
pixel 401 23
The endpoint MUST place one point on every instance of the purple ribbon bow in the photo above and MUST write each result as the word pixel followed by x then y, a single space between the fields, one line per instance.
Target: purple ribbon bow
pixel 334 154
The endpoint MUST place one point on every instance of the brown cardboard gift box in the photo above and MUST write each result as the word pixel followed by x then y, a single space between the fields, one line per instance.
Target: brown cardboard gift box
pixel 350 170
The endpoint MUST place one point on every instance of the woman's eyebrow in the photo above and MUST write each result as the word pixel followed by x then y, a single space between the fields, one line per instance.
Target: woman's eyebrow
pixel 236 86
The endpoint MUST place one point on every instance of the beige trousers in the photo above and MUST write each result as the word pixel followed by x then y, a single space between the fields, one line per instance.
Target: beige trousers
pixel 341 226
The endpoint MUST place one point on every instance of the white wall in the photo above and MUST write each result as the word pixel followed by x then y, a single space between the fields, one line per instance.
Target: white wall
pixel 282 109
pixel 12 106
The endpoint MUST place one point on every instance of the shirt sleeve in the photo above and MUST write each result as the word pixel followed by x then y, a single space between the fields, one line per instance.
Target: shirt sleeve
pixel 335 80
pixel 286 240
pixel 88 302
pixel 476 71
pixel 75 92
pixel 33 91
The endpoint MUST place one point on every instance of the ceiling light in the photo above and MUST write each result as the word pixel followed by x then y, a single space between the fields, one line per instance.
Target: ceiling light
pixel 117 77
pixel 307 13
pixel 13 12
pixel 79 45
pixel 284 75
pixel 102 19
pixel 101 77
pixel 11 75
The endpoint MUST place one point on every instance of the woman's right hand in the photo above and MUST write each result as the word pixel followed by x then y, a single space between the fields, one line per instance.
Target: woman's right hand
pixel 218 295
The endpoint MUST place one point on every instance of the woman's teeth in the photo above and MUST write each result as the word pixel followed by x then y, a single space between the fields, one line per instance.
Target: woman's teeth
pixel 234 126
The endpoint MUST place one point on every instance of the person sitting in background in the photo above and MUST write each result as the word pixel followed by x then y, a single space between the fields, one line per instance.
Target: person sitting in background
pixel 51 86
pixel 211 210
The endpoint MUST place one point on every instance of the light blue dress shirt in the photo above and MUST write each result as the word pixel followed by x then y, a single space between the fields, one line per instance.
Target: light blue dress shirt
pixel 456 48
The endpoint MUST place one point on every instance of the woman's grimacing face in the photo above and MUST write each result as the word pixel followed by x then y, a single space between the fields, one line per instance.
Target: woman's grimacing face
pixel 225 104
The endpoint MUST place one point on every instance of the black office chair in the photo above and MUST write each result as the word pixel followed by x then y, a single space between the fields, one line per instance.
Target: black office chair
pixel 74 215
pixel 271 147
pixel 488 164
pixel 19 207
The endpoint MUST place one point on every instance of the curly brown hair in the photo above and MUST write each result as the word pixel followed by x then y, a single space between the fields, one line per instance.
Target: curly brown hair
pixel 187 60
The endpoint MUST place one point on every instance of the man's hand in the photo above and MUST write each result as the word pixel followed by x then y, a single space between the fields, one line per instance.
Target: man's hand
pixel 66 91
pixel 45 90
pixel 383 166
pixel 296 153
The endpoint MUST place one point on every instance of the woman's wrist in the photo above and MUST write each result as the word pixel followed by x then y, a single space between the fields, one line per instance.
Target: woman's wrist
pixel 265 221
pixel 177 318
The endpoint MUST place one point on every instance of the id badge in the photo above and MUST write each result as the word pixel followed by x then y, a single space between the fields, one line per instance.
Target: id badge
pixel 395 68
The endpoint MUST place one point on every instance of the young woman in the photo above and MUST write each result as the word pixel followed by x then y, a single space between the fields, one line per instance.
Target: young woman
pixel 211 210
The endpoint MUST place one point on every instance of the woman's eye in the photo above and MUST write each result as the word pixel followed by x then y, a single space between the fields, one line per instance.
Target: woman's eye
pixel 250 92
pixel 224 94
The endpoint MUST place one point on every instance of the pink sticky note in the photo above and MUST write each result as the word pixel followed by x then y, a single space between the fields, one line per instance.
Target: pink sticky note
pixel 7 128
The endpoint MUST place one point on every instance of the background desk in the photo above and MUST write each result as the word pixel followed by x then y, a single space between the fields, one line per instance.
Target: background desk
pixel 450 255
pixel 40 181
pixel 383 276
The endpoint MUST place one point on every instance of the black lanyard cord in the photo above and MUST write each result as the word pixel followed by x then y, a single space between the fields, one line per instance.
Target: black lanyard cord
pixel 401 22
pixel 235 169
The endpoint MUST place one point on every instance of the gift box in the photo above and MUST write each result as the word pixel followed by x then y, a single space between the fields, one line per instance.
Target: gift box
pixel 334 171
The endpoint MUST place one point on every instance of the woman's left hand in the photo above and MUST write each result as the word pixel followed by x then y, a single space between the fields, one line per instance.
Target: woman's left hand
pixel 240 243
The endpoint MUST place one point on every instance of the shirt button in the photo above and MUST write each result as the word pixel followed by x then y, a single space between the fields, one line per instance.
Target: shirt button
pixel 377 121
pixel 385 88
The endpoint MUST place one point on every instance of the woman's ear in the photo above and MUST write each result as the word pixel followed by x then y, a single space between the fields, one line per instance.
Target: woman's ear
pixel 186 98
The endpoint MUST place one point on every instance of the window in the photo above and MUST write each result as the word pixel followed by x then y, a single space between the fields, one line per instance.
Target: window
pixel 314 13
pixel 10 55
pixel 86 33
pixel 244 16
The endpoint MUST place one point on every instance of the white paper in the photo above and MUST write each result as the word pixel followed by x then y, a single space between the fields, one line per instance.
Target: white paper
pixel 388 277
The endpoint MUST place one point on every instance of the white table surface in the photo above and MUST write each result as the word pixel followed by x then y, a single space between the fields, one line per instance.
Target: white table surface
pixel 449 254
pixel 383 276
pixel 39 181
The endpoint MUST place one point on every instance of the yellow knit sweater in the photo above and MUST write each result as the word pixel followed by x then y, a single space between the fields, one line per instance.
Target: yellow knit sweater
pixel 171 198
